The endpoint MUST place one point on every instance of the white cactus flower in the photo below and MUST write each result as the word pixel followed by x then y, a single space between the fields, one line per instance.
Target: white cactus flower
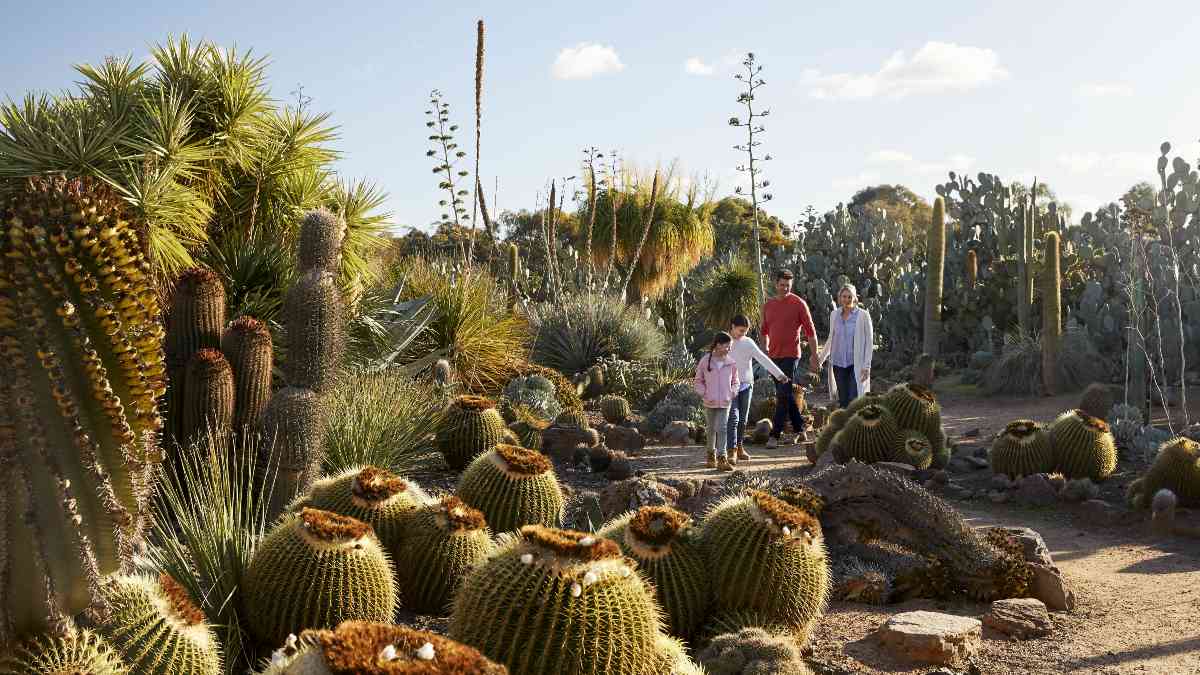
pixel 426 652
pixel 576 590
pixel 787 531
pixel 389 653
pixel 587 541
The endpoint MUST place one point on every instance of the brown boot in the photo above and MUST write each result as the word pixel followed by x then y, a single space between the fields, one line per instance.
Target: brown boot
pixel 724 465
pixel 711 460
pixel 732 459
pixel 742 455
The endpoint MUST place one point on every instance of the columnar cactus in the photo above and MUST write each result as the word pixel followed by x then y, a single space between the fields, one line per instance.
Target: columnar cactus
pixel 321 236
pixel 615 409
pixel 315 570
pixel 157 629
pixel 1051 314
pixel 668 552
pixel 1083 446
pixel 83 371
pixel 76 652
pixel 208 401
pixel 769 557
pixel 444 541
pixel 470 427
pixel 312 312
pixel 972 269
pixel 247 346
pixel 196 319
pixel 292 446
pixel 585 610
pixel 870 435
pixel 1022 449
pixel 375 496
pixel 933 277
pixel 1024 265
pixel 1176 468
pixel 513 487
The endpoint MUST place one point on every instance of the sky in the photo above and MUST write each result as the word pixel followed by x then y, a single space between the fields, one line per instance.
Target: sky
pixel 1079 94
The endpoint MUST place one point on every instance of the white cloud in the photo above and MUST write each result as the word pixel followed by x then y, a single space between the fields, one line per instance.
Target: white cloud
pixel 1104 90
pixel 889 157
pixel 935 68
pixel 695 66
pixel 907 163
pixel 586 60
pixel 1109 163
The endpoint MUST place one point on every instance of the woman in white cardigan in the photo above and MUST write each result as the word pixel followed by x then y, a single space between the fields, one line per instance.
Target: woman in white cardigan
pixel 849 348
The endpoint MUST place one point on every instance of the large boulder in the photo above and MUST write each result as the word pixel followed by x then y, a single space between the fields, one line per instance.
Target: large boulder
pixel 1019 618
pixel 932 637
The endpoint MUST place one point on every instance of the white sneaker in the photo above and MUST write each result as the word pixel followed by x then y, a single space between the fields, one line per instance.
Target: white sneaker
pixel 773 442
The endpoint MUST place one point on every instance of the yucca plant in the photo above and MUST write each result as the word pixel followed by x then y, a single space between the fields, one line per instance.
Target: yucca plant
pixel 728 289
pixel 210 515
pixel 381 420
pixel 573 334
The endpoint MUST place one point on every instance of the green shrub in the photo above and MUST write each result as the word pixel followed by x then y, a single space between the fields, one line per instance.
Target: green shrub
pixel 728 289
pixel 381 420
pixel 573 334
pixel 680 403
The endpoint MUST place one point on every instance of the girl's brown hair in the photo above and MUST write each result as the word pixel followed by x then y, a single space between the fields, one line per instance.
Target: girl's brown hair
pixel 720 338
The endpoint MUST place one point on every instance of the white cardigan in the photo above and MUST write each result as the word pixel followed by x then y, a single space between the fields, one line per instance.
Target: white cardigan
pixel 864 348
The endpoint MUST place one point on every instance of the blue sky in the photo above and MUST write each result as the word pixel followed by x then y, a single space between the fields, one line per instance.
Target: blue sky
pixel 1078 93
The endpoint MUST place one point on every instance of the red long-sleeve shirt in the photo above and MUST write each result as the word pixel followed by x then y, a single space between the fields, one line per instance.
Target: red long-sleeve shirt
pixel 783 320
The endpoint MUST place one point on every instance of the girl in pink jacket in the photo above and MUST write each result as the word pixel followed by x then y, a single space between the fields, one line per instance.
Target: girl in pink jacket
pixel 717 383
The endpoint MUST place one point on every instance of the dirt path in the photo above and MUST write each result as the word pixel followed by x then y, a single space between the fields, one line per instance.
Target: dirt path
pixel 1138 598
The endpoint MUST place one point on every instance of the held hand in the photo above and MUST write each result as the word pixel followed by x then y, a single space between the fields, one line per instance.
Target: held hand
pixel 866 375
pixel 783 379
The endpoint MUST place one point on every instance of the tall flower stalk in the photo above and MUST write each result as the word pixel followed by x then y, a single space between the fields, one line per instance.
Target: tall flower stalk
pixel 475 201
pixel 753 126
pixel 446 153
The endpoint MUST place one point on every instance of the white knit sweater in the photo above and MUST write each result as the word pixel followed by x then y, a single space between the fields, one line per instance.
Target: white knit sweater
pixel 745 352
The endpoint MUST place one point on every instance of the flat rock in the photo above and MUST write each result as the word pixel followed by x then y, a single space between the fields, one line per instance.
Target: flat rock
pixel 999 496
pixel 1050 587
pixel 1019 618
pixel 977 462
pixel 905 470
pixel 677 433
pixel 825 460
pixel 1035 490
pixel 1100 512
pixel 623 439
pixel 1032 544
pixel 932 637
pixel 960 465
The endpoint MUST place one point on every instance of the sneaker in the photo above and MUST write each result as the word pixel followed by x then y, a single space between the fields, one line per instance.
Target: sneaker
pixel 732 459
pixel 724 465
pixel 773 442
pixel 742 455
pixel 711 460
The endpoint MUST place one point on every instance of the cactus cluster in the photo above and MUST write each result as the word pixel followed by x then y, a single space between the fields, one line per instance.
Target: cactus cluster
pixel 870 435
pixel 375 496
pixel 444 541
pixel 752 650
pixel 535 393
pixel 1083 446
pixel 77 652
pixel 470 427
pixel 366 647
pixel 902 425
pixel 1022 449
pixel 615 409
pixel 1175 468
pixel 513 487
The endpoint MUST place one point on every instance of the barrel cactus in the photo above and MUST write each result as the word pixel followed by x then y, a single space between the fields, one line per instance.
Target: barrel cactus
pixel 375 496
pixel 871 397
pixel 247 346
pixel 585 610
pixel 82 349
pixel 470 427
pixel 869 435
pixel 77 652
pixel 513 487
pixel 316 569
pixel 534 392
pixel 1083 446
pixel 913 448
pixel 292 446
pixel 1022 449
pixel 1097 400
pixel 668 552
pixel 837 420
pixel 445 540
pixel 752 650
pixel 366 647
pixel 157 629
pixel 916 407
pixel 804 498
pixel 195 322
pixel 572 418
pixel 528 430
pixel 769 557
pixel 1176 468
pixel 615 409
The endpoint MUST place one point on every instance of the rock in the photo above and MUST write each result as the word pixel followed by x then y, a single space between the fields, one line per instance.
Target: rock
pixel 677 433
pixel 686 487
pixel 1100 512
pixel 599 458
pixel 971 433
pixel 1050 587
pixel 1079 490
pixel 825 460
pixel 906 470
pixel 621 468
pixel 936 476
pixel 561 441
pixel 1002 482
pixel 952 491
pixel 1019 618
pixel 1035 490
pixel 960 465
pixel 1057 481
pixel 762 432
pixel 581 458
pixel 1032 544
pixel 999 496
pixel 931 637
pixel 977 462
pixel 981 451
pixel 633 493
pixel 624 439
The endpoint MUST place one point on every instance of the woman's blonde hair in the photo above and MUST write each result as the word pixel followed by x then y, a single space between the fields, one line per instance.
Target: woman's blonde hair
pixel 852 289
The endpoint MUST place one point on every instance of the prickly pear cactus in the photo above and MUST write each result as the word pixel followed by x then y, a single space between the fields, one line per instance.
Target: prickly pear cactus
pixel 81 344
pixel 315 570
pixel 157 629
pixel 470 427
pixel 1083 446
pixel 667 549
pixel 769 557
pixel 375 496
pixel 513 487
pixel 870 435
pixel 588 611
pixel 1176 468
pixel 77 652
pixel 444 541
pixel 1022 449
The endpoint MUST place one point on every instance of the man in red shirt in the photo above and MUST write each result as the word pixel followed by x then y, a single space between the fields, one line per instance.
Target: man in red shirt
pixel 784 317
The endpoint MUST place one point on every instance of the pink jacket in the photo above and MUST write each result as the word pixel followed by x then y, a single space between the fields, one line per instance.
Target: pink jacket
pixel 719 385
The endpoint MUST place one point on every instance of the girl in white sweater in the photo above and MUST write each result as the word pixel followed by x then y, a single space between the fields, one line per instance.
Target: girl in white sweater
pixel 745 352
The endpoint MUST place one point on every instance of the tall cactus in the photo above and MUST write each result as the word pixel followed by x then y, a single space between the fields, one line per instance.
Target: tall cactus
pixel 247 346
pixel 933 277
pixel 196 319
pixel 321 236
pixel 1051 314
pixel 312 310
pixel 83 372
pixel 293 440
pixel 209 395
pixel 972 269
pixel 1023 215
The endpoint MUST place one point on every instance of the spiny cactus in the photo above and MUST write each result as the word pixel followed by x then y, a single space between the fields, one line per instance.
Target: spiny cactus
pixel 316 569
pixel 615 409
pixel 1022 449
pixel 247 346
pixel 870 435
pixel 1176 468
pixel 752 650
pixel 673 658
pixel 972 271
pixel 837 420
pixel 934 272
pixel 668 552
pixel 804 498
pixel 916 407
pixel 1097 400
pixel 208 400
pixel 81 652
pixel 444 541
pixel 292 446
pixel 586 611
pixel 157 629
pixel 1051 314
pixel 535 393
pixel 513 487
pixel 572 418
pixel 81 345
pixel 857 580
pixel 377 648
pixel 312 311
pixel 470 427
pixel 768 556
pixel 1083 446
pixel 321 235
pixel 882 572
pixel 528 430
pixel 375 496
pixel 197 316
pixel 912 447
pixel 869 398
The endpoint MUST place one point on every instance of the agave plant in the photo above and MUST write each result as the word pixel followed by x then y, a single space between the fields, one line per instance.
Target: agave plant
pixel 573 334
pixel 382 420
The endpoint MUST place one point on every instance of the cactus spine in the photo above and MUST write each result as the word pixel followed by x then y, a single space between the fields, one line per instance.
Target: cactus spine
pixel 443 542
pixel 208 400
pixel 196 319
pixel 82 348
pixel 157 629
pixel 247 346
pixel 77 652
pixel 1051 314
pixel 933 277
pixel 513 487
pixel 293 441
pixel 312 310
pixel 375 496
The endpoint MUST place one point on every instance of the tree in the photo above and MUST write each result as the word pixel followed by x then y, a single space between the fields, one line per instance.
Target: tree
pixel 733 225
pixel 903 206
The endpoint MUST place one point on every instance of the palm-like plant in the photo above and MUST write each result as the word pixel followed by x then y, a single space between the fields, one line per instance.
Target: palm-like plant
pixel 728 289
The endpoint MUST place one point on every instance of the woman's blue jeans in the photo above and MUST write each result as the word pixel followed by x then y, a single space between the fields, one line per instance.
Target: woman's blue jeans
pixel 739 412
pixel 847 386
